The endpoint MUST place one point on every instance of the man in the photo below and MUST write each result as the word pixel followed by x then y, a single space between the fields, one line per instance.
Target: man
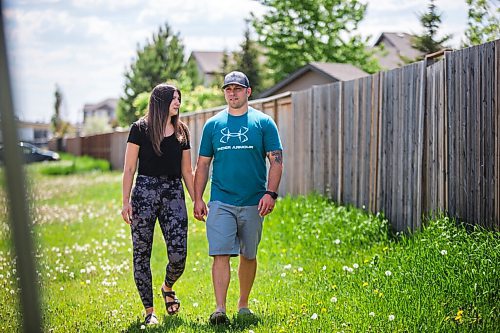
pixel 237 139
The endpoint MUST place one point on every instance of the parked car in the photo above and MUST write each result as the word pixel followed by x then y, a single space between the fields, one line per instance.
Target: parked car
pixel 32 153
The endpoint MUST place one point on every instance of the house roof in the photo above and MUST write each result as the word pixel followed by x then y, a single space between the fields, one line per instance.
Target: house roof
pixel 332 71
pixel 209 61
pixel 109 103
pixel 397 44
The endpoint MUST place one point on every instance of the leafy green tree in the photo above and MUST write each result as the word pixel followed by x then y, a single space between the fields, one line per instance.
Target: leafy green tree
pixel 483 24
pixel 428 42
pixel 247 61
pixel 159 60
pixel 296 32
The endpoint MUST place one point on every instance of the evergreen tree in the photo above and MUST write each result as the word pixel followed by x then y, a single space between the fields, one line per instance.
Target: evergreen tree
pixel 296 32
pixel 160 60
pixel 483 24
pixel 428 42
pixel 247 61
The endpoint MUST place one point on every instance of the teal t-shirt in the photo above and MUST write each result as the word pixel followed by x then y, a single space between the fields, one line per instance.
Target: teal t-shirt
pixel 238 146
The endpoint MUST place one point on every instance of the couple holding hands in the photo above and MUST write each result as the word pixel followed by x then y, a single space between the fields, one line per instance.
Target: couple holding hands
pixel 237 140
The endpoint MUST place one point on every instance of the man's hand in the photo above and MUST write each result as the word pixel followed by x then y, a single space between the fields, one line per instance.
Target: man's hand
pixel 200 210
pixel 266 205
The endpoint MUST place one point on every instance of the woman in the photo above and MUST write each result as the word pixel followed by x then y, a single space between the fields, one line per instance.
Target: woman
pixel 160 141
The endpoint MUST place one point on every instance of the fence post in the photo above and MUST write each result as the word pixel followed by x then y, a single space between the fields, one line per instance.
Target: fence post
pixel 18 213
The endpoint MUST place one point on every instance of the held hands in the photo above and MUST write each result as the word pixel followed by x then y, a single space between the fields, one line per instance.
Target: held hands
pixel 127 213
pixel 266 205
pixel 200 210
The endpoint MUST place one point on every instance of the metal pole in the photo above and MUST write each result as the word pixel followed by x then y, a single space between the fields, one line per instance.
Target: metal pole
pixel 16 191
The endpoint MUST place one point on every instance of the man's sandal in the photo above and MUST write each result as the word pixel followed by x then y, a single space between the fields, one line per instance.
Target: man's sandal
pixel 170 306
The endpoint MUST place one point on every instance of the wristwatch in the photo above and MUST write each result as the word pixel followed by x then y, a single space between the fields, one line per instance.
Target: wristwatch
pixel 273 195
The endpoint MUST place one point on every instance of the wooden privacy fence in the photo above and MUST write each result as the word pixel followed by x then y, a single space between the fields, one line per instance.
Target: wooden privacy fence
pixel 410 142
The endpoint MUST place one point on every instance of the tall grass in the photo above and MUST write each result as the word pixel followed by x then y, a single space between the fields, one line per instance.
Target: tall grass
pixel 322 268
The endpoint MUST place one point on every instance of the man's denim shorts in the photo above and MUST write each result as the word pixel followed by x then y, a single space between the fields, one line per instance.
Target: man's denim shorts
pixel 233 230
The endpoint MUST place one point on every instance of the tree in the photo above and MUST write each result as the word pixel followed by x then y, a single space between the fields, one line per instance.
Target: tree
pixel 247 61
pixel 483 24
pixel 158 61
pixel 428 42
pixel 59 126
pixel 294 33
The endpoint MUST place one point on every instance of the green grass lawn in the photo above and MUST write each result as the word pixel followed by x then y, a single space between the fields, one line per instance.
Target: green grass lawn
pixel 322 268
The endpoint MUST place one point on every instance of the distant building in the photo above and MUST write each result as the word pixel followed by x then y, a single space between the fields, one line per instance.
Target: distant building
pixel 209 64
pixel 33 132
pixel 315 73
pixel 105 109
pixel 397 49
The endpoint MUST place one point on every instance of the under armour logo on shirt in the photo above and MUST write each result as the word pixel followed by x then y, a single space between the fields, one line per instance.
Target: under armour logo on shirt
pixel 226 134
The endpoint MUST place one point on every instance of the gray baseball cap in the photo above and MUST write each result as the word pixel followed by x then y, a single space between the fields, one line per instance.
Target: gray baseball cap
pixel 236 77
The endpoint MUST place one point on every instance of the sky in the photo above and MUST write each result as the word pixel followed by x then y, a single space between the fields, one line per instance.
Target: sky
pixel 85 46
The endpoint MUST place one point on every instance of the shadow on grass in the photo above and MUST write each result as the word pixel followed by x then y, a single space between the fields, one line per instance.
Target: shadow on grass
pixel 169 324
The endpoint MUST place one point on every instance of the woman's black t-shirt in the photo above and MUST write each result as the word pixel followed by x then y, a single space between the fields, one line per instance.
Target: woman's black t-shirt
pixel 150 164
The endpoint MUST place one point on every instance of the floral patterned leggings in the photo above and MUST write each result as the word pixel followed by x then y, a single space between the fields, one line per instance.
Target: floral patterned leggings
pixel 162 198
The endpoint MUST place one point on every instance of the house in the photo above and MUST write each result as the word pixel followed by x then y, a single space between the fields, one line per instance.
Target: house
pixel 315 73
pixel 34 132
pixel 209 64
pixel 397 47
pixel 105 109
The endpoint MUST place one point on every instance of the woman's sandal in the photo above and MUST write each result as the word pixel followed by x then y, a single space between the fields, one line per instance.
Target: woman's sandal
pixel 170 306
pixel 151 319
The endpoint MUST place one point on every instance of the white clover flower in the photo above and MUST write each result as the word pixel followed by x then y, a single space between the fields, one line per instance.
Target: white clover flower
pixel 324 268
pixel 195 305
pixel 337 241
pixel 444 252
pixel 62 288
pixel 300 269
pixel 143 327
pixel 356 266
pixel 283 274
pixel 314 316
pixel 388 273
pixel 83 270
pixel 251 331
pixel 372 314
pixel 391 317
pixel 114 312
pixel 287 266
pixel 333 299
pixel 87 281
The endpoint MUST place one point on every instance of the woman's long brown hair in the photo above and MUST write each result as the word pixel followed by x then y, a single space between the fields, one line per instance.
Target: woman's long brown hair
pixel 156 118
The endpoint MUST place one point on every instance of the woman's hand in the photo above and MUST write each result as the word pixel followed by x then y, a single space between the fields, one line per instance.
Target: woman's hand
pixel 127 213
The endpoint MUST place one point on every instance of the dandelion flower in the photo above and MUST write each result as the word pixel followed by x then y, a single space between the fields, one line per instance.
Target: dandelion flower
pixel 251 331
pixel 372 314
pixel 365 284
pixel 333 299
pixel 143 327
pixel 388 273
pixel 62 288
pixel 337 241
pixel 195 305
pixel 324 268
pixel 314 316
pixel 444 252
pixel 356 266
pixel 287 266
pixel 345 268
pixel 300 269
pixel 391 317
pixel 87 281
pixel 283 274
